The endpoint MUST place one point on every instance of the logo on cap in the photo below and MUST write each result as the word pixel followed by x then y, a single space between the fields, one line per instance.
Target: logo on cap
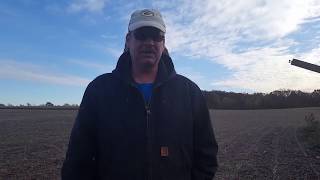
pixel 147 13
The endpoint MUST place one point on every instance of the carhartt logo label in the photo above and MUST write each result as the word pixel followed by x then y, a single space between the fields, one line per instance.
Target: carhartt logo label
pixel 164 151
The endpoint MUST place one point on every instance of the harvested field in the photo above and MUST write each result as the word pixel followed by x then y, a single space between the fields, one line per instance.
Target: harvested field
pixel 33 142
pixel 253 144
pixel 264 144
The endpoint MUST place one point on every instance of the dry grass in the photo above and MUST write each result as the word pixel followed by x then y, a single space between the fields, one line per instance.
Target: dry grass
pixel 311 132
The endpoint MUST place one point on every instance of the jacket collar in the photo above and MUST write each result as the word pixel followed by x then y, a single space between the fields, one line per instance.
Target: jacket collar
pixel 123 69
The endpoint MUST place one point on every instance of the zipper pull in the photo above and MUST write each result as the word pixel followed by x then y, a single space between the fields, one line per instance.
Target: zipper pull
pixel 148 110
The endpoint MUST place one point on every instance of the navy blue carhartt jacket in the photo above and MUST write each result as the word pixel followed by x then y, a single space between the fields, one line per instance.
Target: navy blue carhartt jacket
pixel 117 136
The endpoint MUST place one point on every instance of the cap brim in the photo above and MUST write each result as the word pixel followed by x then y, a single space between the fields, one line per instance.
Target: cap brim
pixel 140 24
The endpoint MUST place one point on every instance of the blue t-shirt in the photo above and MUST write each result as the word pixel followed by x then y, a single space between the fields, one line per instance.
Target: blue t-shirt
pixel 146 90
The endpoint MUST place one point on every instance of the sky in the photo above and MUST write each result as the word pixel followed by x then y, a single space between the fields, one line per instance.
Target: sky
pixel 51 50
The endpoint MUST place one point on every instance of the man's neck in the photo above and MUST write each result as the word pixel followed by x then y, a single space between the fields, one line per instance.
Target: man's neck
pixel 144 75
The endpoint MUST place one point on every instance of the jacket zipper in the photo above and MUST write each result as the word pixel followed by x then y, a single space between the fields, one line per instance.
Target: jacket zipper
pixel 149 144
pixel 149 130
pixel 147 106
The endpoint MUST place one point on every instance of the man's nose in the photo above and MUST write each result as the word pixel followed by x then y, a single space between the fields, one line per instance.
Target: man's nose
pixel 149 40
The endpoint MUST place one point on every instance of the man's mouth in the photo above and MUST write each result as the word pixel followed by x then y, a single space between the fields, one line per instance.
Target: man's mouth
pixel 147 52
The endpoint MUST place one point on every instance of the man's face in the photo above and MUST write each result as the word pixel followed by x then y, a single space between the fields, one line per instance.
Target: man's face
pixel 146 45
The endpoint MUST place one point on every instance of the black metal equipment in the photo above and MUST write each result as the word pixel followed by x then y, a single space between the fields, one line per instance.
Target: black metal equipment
pixel 305 65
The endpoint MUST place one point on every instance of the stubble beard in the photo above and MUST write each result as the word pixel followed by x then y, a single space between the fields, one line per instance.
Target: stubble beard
pixel 148 66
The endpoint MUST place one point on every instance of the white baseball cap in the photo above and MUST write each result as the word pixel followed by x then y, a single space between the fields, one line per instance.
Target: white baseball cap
pixel 146 17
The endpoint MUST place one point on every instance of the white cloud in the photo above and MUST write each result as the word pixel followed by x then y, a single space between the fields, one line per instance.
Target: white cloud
pixel 190 73
pixel 250 38
pixel 313 56
pixel 93 6
pixel 29 72
pixel 271 71
pixel 232 21
pixel 202 81
pixel 101 68
pixel 114 51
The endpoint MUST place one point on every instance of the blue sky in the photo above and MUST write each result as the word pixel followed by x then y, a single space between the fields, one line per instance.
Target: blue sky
pixel 50 50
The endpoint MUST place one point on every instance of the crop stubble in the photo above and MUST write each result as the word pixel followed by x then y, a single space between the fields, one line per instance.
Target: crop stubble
pixel 263 144
pixel 253 144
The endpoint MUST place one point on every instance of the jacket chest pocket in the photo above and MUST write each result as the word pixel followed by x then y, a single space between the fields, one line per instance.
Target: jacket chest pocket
pixel 120 121
pixel 174 125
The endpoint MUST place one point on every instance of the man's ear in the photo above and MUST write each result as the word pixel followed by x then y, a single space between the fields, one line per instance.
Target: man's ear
pixel 127 37
pixel 126 47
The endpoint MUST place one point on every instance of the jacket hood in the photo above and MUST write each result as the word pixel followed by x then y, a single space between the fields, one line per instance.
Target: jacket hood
pixel 123 69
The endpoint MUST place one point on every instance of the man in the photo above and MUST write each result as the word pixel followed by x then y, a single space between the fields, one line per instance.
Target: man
pixel 142 121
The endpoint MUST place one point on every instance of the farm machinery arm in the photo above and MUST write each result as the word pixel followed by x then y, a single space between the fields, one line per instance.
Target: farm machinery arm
pixel 305 65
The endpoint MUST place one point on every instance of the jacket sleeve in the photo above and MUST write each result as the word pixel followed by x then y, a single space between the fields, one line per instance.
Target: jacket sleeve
pixel 205 145
pixel 80 156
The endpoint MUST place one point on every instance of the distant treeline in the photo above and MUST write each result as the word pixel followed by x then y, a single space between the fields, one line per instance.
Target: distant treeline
pixel 274 100
pixel 45 106
pixel 228 100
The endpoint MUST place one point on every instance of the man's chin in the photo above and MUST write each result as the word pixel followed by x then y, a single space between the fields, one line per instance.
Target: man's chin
pixel 148 63
pixel 148 56
pixel 148 59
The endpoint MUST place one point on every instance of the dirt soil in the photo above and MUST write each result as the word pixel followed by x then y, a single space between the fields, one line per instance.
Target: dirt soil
pixel 264 144
pixel 33 142
pixel 253 144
